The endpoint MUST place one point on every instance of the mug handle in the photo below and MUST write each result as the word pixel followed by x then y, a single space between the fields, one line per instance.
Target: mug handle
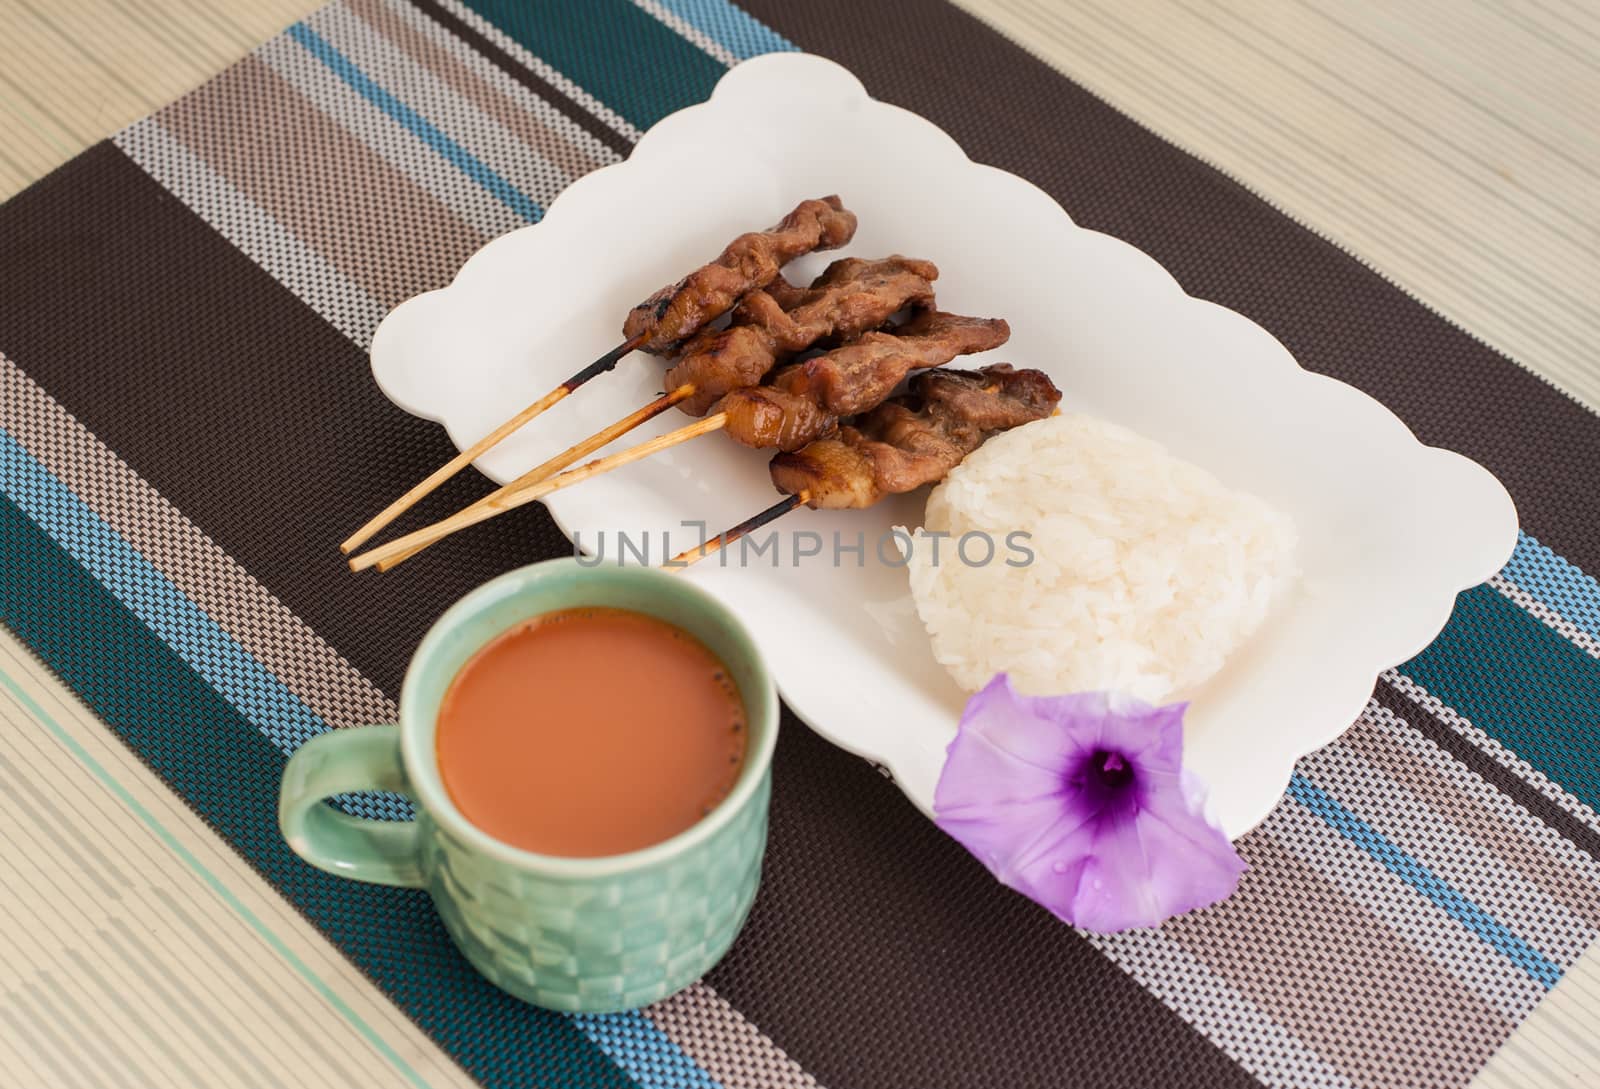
pixel 350 759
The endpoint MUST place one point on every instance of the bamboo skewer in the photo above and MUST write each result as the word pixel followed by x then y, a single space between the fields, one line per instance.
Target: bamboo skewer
pixel 733 533
pixel 568 457
pixel 483 445
pixel 499 503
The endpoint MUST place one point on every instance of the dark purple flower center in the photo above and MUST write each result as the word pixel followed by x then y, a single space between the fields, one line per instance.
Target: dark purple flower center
pixel 1105 781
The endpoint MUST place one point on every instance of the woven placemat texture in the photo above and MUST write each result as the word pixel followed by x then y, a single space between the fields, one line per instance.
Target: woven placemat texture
pixel 187 424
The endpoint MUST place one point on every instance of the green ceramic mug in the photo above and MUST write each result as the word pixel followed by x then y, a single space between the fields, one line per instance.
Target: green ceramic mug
pixel 574 934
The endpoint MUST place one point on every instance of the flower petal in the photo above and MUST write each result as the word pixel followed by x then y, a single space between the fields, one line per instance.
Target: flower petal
pixel 1152 737
pixel 1144 869
pixel 978 773
pixel 1029 728
pixel 1098 878
pixel 1019 790
pixel 1004 838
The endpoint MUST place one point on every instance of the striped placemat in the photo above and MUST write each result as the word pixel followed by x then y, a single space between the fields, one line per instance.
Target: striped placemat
pixel 188 423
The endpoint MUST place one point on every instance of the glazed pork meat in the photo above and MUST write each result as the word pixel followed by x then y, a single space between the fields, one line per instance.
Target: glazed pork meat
pixel 751 261
pixel 850 298
pixel 803 401
pixel 916 438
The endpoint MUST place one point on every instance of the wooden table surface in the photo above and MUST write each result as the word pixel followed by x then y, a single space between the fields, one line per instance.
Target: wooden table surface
pixel 1450 144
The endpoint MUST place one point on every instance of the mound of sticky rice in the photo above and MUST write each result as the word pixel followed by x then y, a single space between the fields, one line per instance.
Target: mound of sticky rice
pixel 1147 572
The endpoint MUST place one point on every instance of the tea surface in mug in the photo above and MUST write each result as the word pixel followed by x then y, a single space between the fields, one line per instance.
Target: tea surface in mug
pixel 590 731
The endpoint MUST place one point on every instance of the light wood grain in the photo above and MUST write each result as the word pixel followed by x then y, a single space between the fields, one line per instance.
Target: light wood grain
pixel 74 71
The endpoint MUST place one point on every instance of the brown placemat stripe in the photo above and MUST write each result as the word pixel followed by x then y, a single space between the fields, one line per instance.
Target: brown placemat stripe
pixel 724 1044
pixel 1408 702
pixel 500 100
pixel 1484 816
pixel 313 199
pixel 339 300
pixel 1224 1012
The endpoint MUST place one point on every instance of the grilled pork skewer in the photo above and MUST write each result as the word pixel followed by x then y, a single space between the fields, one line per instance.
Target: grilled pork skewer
pixel 803 401
pixel 904 443
pixel 679 311
pixel 914 439
pixel 848 299
pixel 856 376
pixel 850 296
pixel 662 322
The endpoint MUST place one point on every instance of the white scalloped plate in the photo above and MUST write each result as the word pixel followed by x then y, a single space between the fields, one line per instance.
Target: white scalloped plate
pixel 1391 530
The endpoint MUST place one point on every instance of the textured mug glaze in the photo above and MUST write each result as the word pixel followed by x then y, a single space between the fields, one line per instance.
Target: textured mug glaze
pixel 572 934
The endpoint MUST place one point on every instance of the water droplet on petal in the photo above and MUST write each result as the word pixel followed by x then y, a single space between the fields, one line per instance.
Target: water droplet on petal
pixel 1059 867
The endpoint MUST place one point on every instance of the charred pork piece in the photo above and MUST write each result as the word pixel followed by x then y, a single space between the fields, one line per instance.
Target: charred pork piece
pixel 850 298
pixel 751 261
pixel 803 401
pixel 914 439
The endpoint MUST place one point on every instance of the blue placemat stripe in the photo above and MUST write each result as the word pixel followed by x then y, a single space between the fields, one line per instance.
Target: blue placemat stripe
pixel 622 55
pixel 1494 933
pixel 730 27
pixel 213 654
pixel 1522 684
pixel 643 1050
pixel 249 686
pixel 419 126
pixel 1556 583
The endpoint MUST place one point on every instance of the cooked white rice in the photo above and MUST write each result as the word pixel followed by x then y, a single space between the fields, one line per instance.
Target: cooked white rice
pixel 1147 571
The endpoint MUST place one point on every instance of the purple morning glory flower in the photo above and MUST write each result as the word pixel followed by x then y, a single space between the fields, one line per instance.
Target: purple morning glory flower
pixel 1081 803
